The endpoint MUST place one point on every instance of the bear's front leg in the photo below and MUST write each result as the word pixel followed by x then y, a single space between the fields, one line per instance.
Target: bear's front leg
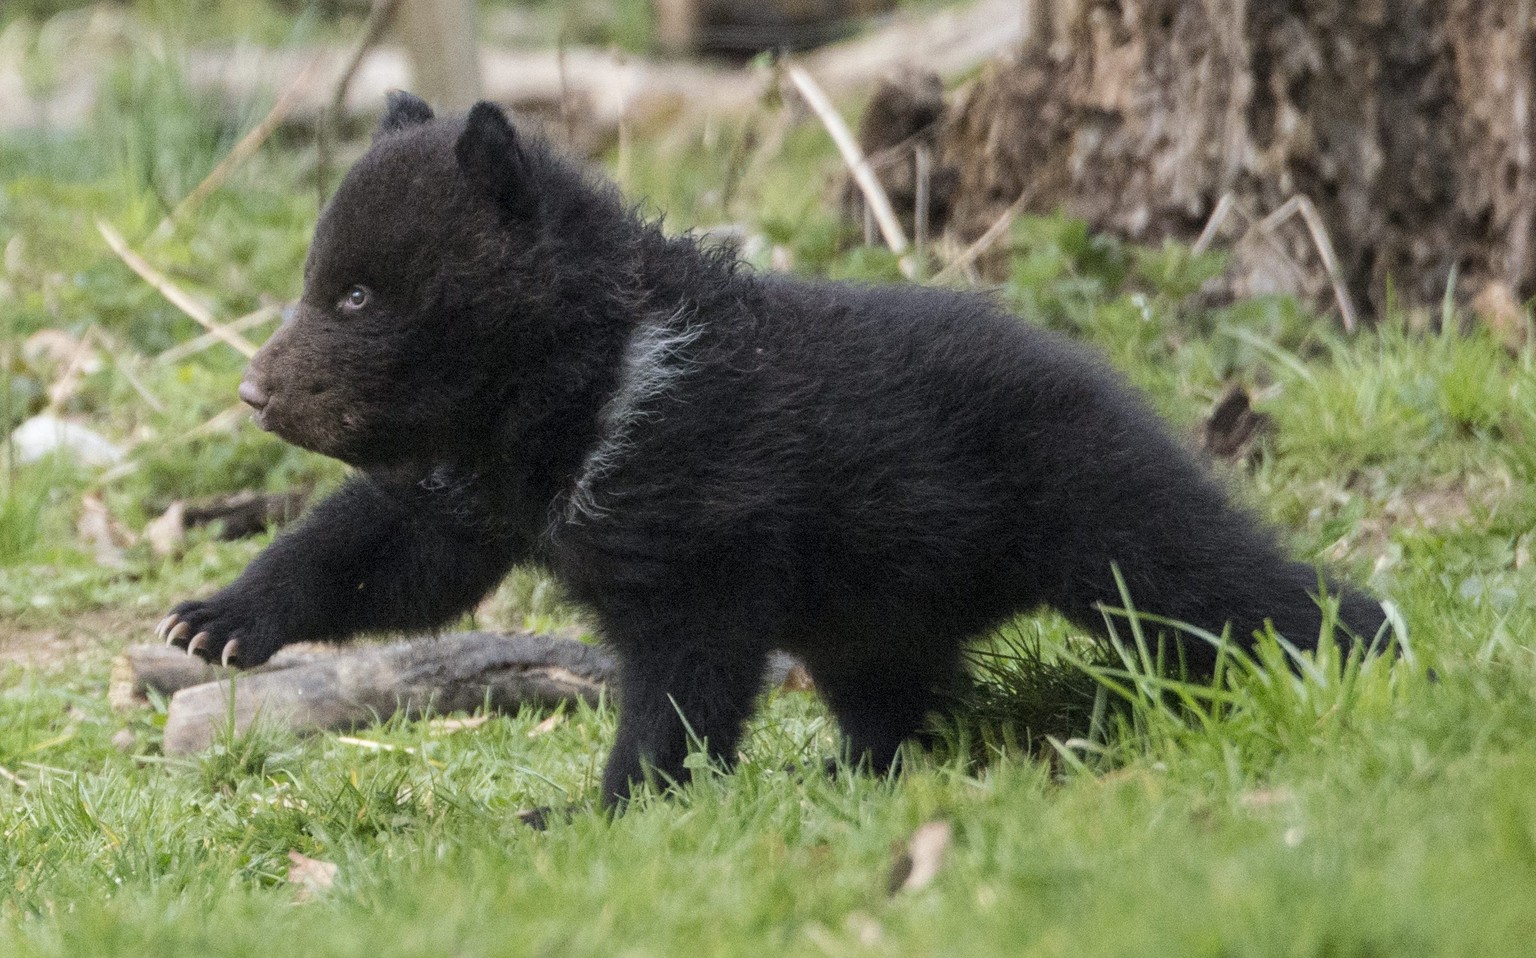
pixel 369 558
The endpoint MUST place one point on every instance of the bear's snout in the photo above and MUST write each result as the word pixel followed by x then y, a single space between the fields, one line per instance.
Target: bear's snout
pixel 253 395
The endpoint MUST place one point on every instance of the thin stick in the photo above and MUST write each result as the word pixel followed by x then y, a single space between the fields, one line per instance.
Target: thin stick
pixel 1314 222
pixel 565 96
pixel 922 161
pixel 63 387
pixel 13 778
pixel 178 298
pixel 218 423
pixel 372 745
pixel 1218 217
pixel 962 263
pixel 1518 256
pixel 379 17
pixel 242 151
pixel 122 355
pixel 853 156
pixel 197 344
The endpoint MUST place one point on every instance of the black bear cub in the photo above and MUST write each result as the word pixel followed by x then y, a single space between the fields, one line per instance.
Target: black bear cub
pixel 716 463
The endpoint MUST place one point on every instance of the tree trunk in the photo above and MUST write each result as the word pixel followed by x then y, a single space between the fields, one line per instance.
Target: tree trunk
pixel 1407 123
pixel 445 62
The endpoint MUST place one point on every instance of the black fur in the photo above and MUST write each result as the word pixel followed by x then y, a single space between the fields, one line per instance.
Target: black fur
pixel 716 463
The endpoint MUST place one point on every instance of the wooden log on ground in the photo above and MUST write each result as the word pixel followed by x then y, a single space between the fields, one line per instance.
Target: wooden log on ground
pixel 165 670
pixel 365 684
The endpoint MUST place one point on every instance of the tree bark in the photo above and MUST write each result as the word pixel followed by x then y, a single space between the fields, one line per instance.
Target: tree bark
pixel 363 685
pixel 1408 123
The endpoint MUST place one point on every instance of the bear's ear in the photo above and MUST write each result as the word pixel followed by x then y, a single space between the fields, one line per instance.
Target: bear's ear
pixel 402 110
pixel 492 159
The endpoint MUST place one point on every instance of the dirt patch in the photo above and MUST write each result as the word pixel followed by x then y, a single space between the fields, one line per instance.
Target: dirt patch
pixel 1437 507
pixel 92 637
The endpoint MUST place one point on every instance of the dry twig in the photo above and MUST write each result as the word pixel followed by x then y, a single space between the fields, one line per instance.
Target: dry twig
pixel 858 166
pixel 379 18
pixel 178 297
pixel 1224 207
pixel 1295 206
pixel 68 381
pixel 922 159
pixel 123 356
pixel 217 423
pixel 1314 222
pixel 242 151
pixel 191 347
pixel 968 256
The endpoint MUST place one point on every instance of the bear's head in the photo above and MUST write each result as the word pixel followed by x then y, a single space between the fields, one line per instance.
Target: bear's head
pixel 419 284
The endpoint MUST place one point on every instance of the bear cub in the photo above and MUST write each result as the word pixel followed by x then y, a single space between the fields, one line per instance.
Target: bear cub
pixel 715 462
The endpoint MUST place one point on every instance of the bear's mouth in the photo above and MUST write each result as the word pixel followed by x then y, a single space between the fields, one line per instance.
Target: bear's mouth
pixel 258 399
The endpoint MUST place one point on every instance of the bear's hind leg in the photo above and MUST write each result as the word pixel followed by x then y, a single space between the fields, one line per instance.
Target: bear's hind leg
pixel 881 699
pixel 673 693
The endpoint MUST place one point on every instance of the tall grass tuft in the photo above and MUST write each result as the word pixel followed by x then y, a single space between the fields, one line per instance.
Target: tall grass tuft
pixel 1258 704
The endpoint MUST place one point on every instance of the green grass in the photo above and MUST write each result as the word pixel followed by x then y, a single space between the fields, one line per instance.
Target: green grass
pixel 1359 809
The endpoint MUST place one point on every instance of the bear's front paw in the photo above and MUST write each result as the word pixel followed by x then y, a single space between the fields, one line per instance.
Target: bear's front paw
pixel 218 629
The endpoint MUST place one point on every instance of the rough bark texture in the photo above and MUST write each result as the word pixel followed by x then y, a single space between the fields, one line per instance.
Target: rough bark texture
pixel 1407 122
pixel 452 674
pixel 165 670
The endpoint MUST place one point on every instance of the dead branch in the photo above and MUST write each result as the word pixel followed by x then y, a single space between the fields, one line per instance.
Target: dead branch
pixel 379 18
pixel 242 151
pixel 962 263
pixel 1319 232
pixel 177 297
pixel 196 345
pixel 363 685
pixel 164 670
pixel 858 167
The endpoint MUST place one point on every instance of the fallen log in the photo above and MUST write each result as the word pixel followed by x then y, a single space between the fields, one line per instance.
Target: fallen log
pixel 164 670
pixel 365 684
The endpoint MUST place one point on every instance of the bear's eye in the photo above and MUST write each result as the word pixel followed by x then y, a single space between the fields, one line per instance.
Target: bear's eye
pixel 356 298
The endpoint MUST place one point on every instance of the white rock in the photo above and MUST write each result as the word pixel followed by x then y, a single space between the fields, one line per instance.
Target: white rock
pixel 44 434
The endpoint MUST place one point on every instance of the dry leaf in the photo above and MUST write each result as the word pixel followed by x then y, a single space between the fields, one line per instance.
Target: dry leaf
pixel 797 679
pixel 167 533
pixel 1232 427
pixel 917 867
pixel 1501 310
pixel 312 875
pixel 104 534
pixel 447 726
pixel 547 726
pixel 373 746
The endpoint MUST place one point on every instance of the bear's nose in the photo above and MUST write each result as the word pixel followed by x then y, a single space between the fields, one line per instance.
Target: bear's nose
pixel 253 395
